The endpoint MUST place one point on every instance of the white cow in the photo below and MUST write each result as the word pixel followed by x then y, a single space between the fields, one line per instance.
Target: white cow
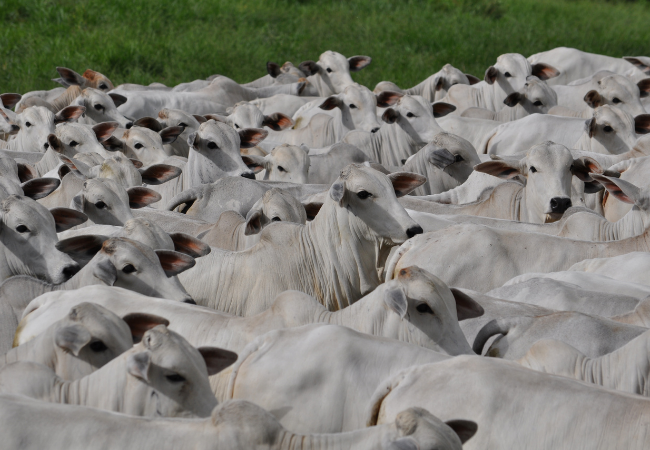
pixel 331 73
pixel 289 163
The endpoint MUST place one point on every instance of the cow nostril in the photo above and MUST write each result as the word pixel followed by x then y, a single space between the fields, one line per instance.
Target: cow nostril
pixel 248 175
pixel 129 125
pixel 70 271
pixel 374 130
pixel 417 229
pixel 560 204
pixel 189 301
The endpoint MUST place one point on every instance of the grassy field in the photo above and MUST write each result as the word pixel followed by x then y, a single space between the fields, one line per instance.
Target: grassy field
pixel 176 41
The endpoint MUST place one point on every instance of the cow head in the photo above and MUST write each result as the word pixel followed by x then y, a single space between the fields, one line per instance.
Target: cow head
pixel 536 97
pixel 358 108
pixel 288 163
pixel 331 73
pixel 413 114
pixel 617 90
pixel 102 107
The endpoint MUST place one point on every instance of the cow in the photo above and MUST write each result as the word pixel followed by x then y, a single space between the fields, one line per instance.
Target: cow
pixel 330 75
pixel 324 166
pixel 288 163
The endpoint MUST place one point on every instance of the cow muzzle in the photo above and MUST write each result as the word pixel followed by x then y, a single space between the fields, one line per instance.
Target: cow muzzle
pixel 560 204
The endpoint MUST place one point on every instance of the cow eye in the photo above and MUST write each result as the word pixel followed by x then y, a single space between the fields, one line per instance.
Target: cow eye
pixel 281 169
pixel 138 146
pixel 458 158
pixel 607 129
pixel 410 114
pixel 73 143
pixel 182 124
pixel 27 124
pixel 98 107
pixel 100 205
pixel 616 100
pixel 22 229
pixel 363 194
pixel 353 106
pixel 103 86
pixel 98 346
pixel 507 75
pixel 329 70
pixel 128 268
pixel 236 126
pixel 538 103
pixel 532 169
pixel 175 378
pixel 423 308
pixel 276 219
pixel 212 145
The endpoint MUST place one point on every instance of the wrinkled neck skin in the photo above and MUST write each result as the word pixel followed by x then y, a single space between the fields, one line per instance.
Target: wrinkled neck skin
pixel 22 144
pixel 322 84
pixel 200 169
pixel 510 114
pixel 634 223
pixel 485 96
pixel 618 147
pixel 48 162
pixel 32 351
pixel 421 137
pixel 12 264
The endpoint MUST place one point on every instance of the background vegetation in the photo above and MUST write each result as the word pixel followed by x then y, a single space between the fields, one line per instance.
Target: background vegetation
pixel 181 40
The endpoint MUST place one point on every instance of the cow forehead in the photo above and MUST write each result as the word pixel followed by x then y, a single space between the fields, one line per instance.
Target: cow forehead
pixel 221 133
pixel 358 93
pixel 106 189
pixel 359 177
pixel 289 153
pixel 513 62
pixel 100 322
pixel 607 114
pixel 333 59
pixel 37 115
pixel 29 211
pixel 142 230
pixel 549 155
pixel 129 249
pixel 74 130
pixel 170 350
pixel 416 103
pixel 143 135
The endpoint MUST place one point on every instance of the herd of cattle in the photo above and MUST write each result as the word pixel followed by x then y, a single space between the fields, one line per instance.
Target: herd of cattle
pixel 460 264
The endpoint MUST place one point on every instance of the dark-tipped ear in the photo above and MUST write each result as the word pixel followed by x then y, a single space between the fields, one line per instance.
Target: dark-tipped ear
pixel 69 114
pixel 140 323
pixel 642 124
pixel 395 299
pixel 170 134
pixel 466 306
pixel 158 173
pixel 273 69
pixel 71 77
pixel 465 429
pixel 173 262
pixel 139 197
pixel 66 218
pixel 441 158
pixel 55 143
pixel 72 338
pixel 26 172
pixel 312 209
pixel 199 119
pixel 118 99
pixel 113 144
pixel 184 243
pixel 388 98
pixel 277 122
pixel 390 116
pixel 622 190
pixel 331 102
pixel 593 99
pixel 584 166
pixel 513 99
pixel 105 130
pixel 308 67
pixel 358 62
pixel 217 359
pixel 405 182
pixel 641 65
pixel 590 126
pixel 491 75
pixel 441 109
pixel 149 122
pixel 10 100
pixel 254 162
pixel 254 222
pixel 644 87
pixel 82 248
pixel 472 79
pixel 40 188
pixel 544 71
pixel 501 169
pixel 250 137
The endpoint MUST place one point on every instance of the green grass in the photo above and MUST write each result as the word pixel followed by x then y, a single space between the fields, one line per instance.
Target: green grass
pixel 177 41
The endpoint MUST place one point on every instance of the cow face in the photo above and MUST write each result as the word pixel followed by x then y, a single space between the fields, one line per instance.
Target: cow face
pixel 512 69
pixel 275 205
pixel 102 107
pixel 358 107
pixel 72 138
pixel 246 115
pixel 613 131
pixel 412 113
pixel 288 163
pixel 618 91
pixel 331 74
pixel 536 97
pixel 90 79
pixel 146 145
pixel 37 123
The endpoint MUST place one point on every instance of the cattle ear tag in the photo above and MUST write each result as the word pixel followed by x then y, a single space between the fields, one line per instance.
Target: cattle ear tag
pixel 72 338
pixel 138 365
pixel 396 300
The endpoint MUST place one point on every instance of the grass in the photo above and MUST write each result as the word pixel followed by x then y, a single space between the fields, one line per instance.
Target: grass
pixel 177 41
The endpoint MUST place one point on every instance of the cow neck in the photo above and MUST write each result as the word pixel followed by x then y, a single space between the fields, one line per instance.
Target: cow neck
pixel 49 161
pixel 10 263
pixel 84 277
pixel 324 88
pixel 363 439
pixel 391 144
pixel 368 315
pixel 200 169
pixel 634 223
pixel 344 256
pixel 426 88
pixel 29 350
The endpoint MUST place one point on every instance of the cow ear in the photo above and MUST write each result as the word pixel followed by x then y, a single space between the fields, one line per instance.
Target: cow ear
pixel 113 144
pixel 77 167
pixel 639 63
pixel 388 98
pixel 441 158
pixel 149 122
pixel 441 109
pixel 308 67
pixel 72 338
pixel 491 75
pixel 593 99
pixel 337 191
pixel 590 126
pixel 40 187
pixel 194 140
pixel 26 172
pixel 66 218
pixel 644 87
pixel 173 262
pixel 254 220
pixel 584 166
pixel 55 143
pixel 138 164
pixel 63 170
pixel 466 306
pixel 544 71
pixel 642 124
pixel 140 323
pixel 405 182
pixel 390 116
pixel 158 173
pixel 105 271
pixel 10 100
pixel 472 79
pixel 358 62
pixel 622 190
pixel 104 130
pixel 250 137
pixel 199 119
pixel 277 122
pixel 118 99
pixel 70 77
pixel 501 169
pixel 137 364
pixel 464 429
pixel 513 99
pixel 139 197
pixel 170 134
pixel 216 359
pixel 273 69
pixel 82 248
pixel 312 209
pixel 184 243
pixel 254 162
pixel 69 114
pixel 331 102
pixel 395 299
